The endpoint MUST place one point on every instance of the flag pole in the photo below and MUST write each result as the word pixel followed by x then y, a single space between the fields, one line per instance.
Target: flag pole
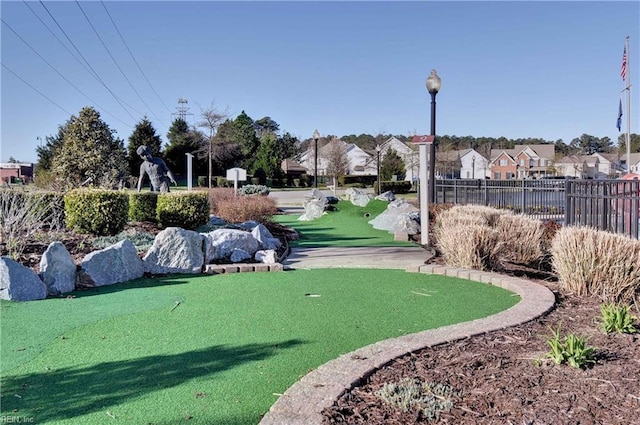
pixel 627 78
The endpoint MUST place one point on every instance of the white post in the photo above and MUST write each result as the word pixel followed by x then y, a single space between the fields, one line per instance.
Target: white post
pixel 424 198
pixel 235 182
pixel 189 171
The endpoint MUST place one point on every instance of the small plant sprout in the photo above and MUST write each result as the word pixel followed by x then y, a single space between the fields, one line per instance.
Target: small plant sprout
pixel 571 349
pixel 617 318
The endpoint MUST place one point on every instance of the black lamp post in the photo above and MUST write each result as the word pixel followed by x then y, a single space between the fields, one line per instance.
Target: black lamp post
pixel 433 87
pixel 473 167
pixel 316 136
pixel 378 149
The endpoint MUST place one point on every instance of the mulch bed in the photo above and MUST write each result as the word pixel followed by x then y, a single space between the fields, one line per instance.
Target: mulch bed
pixel 503 377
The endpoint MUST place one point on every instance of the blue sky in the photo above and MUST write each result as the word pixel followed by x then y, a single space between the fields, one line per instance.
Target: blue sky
pixel 515 69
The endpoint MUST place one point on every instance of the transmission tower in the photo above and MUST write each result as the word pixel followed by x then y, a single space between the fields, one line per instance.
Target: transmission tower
pixel 183 111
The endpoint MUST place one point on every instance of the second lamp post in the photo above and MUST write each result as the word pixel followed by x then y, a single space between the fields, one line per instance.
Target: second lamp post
pixel 316 136
pixel 433 87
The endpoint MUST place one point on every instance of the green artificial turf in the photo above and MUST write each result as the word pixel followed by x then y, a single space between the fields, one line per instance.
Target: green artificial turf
pixel 347 227
pixel 131 354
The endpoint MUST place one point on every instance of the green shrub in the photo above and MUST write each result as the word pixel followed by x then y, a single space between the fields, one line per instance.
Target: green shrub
pixel 223 182
pixel 142 206
pixel 96 211
pixel 141 240
pixel 253 189
pixel 572 349
pixel 186 210
pixel 617 318
pixel 592 262
pixel 402 186
pixel 365 180
pixel 203 181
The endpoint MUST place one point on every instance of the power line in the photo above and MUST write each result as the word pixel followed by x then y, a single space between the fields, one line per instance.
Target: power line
pixel 34 89
pixel 88 64
pixel 114 59
pixel 133 57
pixel 55 70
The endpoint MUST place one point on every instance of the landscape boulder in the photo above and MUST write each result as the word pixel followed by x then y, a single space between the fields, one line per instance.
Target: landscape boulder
pixel 219 244
pixel 267 256
pixel 239 255
pixel 358 197
pixel 20 283
pixel 57 269
pixel 175 250
pixel 399 216
pixel 113 264
pixel 265 238
pixel 386 196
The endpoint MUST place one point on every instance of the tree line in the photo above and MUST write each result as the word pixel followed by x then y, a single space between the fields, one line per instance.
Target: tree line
pixel 85 150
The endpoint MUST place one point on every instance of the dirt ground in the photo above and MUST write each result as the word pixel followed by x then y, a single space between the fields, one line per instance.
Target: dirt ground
pixel 503 377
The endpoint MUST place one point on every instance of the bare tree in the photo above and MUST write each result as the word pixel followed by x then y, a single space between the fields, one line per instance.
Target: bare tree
pixel 337 159
pixel 210 119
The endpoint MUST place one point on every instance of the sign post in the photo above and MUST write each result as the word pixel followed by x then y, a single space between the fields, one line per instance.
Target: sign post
pixel 423 142
pixel 189 171
pixel 236 174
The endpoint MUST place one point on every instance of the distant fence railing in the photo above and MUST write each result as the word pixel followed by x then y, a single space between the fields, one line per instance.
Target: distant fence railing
pixel 611 205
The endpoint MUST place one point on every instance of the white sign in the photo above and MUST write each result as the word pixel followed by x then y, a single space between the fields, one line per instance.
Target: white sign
pixel 236 174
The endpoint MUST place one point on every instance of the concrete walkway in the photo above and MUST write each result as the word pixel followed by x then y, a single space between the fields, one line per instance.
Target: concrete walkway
pixel 303 402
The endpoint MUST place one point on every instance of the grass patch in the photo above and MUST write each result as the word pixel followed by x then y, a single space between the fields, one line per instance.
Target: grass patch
pixel 348 227
pixel 125 353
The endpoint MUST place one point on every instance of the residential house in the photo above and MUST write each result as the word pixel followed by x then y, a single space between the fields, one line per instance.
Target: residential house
pixel 634 163
pixel 359 161
pixel 473 165
pixel 407 151
pixel 521 162
pixel 594 166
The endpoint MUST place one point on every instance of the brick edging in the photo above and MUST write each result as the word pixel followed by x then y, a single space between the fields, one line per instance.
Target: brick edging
pixel 304 401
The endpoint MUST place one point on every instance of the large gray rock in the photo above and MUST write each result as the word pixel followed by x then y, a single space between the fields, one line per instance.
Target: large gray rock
pixel 313 209
pixel 20 283
pixel 400 216
pixel 239 255
pixel 357 197
pixel 57 269
pixel 268 256
pixel 264 236
pixel 386 196
pixel 113 264
pixel 175 250
pixel 220 243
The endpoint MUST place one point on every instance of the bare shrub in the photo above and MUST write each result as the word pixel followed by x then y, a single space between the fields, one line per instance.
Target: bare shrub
pixel 522 236
pixel 470 246
pixel 237 209
pixel 22 216
pixel 592 262
pixel 462 215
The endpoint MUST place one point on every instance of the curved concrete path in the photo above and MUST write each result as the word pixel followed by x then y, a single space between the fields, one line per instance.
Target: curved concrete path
pixel 303 402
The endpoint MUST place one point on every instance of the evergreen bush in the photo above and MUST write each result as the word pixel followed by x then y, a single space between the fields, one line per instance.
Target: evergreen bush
pixel 97 211
pixel 142 206
pixel 186 210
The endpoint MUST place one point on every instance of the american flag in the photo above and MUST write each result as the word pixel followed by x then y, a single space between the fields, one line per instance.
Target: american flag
pixel 623 69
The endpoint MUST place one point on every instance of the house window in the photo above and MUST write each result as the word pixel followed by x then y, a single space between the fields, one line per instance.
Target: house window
pixel 503 162
pixel 510 176
pixel 497 176
pixel 532 163
pixel 522 162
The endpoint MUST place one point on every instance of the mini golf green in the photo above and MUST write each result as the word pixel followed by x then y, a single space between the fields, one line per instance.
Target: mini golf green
pixel 209 349
pixel 349 226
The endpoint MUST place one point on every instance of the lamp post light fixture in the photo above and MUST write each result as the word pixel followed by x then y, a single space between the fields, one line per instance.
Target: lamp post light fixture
pixel 433 87
pixel 473 167
pixel 378 149
pixel 316 136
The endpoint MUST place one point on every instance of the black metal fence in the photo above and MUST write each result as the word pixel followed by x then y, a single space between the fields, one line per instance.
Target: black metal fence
pixel 611 205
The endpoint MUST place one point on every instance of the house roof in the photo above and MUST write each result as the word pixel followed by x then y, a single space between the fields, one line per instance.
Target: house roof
pixel 290 165
pixel 543 151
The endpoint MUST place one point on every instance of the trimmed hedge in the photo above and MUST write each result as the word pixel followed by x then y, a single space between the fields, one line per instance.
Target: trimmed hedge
pixel 186 210
pixel 142 206
pixel 402 186
pixel 96 211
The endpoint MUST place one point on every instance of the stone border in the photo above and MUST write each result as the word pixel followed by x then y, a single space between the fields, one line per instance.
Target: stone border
pixel 304 401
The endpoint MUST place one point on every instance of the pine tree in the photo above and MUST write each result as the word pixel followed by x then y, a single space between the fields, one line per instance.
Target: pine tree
pixel 90 155
pixel 143 134
pixel 392 165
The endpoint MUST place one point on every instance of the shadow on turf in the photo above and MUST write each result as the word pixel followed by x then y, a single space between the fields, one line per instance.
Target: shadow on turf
pixel 144 282
pixel 70 392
